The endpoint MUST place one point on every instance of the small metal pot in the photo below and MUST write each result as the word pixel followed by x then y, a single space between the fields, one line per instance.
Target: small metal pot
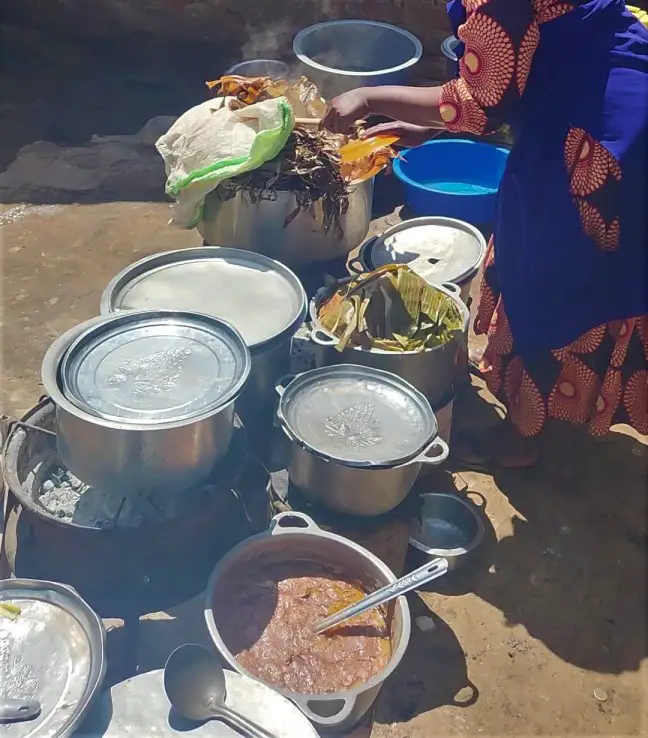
pixel 260 226
pixel 293 536
pixel 431 371
pixel 450 528
pixel 348 485
pixel 106 452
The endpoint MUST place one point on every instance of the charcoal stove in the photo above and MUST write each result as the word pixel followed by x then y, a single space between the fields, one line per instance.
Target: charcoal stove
pixel 126 572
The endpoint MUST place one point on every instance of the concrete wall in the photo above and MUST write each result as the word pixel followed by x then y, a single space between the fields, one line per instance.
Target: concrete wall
pixel 239 28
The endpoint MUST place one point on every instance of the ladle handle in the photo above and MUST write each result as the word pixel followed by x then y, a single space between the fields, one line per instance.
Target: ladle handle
pixel 419 577
pixel 241 723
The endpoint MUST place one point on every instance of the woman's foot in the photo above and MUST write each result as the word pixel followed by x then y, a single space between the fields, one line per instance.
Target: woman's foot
pixel 503 448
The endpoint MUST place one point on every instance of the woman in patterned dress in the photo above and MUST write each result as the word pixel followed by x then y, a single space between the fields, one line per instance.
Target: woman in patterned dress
pixel 563 297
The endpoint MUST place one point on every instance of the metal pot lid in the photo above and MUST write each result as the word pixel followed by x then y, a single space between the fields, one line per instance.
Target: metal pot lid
pixel 155 366
pixel 259 296
pixel 357 416
pixel 139 707
pixel 52 652
pixel 445 249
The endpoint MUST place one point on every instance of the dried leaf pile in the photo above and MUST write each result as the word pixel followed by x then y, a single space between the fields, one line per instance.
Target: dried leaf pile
pixel 310 165
pixel 391 309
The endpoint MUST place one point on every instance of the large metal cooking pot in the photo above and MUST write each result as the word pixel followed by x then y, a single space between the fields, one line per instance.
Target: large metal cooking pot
pixel 343 55
pixel 261 226
pixel 293 536
pixel 359 437
pixel 199 279
pixel 104 451
pixel 431 371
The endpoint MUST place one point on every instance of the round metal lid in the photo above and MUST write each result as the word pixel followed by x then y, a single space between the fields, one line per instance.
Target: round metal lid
pixel 139 707
pixel 259 296
pixel 357 415
pixel 445 249
pixel 155 367
pixel 52 652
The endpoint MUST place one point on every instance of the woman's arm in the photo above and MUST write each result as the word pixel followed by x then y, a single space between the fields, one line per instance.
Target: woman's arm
pixel 500 38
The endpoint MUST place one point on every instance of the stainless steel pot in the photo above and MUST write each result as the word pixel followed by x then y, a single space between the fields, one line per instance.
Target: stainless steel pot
pixel 185 280
pixel 261 226
pixel 431 371
pixel 293 536
pixel 105 452
pixel 349 485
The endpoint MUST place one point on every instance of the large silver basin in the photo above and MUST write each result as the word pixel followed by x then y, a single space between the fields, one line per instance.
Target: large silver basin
pixel 343 55
pixel 260 227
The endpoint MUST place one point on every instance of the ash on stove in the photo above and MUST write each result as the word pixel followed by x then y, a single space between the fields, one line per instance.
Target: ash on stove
pixel 72 501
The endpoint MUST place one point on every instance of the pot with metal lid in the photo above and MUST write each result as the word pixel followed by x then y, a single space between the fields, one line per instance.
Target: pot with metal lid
pixel 260 297
pixel 291 537
pixel 441 250
pixel 432 371
pixel 145 399
pixel 359 437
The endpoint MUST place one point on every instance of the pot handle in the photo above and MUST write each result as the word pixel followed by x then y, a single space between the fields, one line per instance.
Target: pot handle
pixel 442 452
pixel 321 338
pixel 329 721
pixel 283 382
pixel 452 287
pixel 291 522
pixel 355 266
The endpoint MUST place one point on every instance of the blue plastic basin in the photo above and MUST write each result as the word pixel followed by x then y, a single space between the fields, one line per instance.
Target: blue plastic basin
pixel 452 177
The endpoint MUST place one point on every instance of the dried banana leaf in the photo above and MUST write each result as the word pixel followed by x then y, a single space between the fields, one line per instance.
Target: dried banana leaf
pixel 390 309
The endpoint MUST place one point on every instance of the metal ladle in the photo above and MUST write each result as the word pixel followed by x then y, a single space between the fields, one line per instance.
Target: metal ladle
pixel 194 682
pixel 419 577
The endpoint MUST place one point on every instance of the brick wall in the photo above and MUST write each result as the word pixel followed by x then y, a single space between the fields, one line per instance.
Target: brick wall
pixel 238 28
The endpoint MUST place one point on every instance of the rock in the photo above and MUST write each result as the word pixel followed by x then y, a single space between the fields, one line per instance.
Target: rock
pixel 425 624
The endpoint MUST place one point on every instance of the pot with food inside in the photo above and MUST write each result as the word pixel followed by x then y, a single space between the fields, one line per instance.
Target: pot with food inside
pixel 265 598
pixel 145 399
pixel 358 437
pixel 392 319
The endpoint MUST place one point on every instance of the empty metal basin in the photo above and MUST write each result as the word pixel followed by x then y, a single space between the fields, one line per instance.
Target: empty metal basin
pixel 450 527
pixel 261 68
pixel 343 55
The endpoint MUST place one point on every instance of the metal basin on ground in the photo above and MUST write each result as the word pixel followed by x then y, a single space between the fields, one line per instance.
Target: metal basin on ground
pixel 262 298
pixel 343 55
pixel 262 227
pixel 294 536
pixel 431 371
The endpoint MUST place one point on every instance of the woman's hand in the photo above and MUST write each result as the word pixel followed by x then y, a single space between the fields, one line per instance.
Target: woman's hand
pixel 408 134
pixel 345 110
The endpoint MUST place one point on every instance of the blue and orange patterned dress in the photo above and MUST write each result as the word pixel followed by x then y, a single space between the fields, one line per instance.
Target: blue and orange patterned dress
pixel 564 293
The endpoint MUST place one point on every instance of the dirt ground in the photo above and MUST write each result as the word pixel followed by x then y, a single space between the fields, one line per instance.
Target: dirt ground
pixel 546 635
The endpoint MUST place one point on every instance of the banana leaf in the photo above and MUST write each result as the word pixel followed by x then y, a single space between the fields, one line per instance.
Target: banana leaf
pixel 390 309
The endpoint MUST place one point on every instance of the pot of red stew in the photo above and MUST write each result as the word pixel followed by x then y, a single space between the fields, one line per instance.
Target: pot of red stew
pixel 265 597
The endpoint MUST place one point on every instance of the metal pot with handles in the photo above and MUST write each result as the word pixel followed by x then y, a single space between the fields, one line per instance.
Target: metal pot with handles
pixel 294 536
pixel 358 437
pixel 264 225
pixel 432 371
pixel 145 399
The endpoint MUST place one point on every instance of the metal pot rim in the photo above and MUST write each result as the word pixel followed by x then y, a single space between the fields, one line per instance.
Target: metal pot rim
pixel 460 225
pixel 313 529
pixel 149 264
pixel 305 59
pixel 420 398
pixel 49 376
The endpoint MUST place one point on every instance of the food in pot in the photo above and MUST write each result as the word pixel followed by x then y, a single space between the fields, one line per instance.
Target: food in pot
pixel 391 309
pixel 266 618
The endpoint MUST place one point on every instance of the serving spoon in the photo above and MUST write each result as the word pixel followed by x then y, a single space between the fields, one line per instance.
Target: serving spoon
pixel 424 574
pixel 194 682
